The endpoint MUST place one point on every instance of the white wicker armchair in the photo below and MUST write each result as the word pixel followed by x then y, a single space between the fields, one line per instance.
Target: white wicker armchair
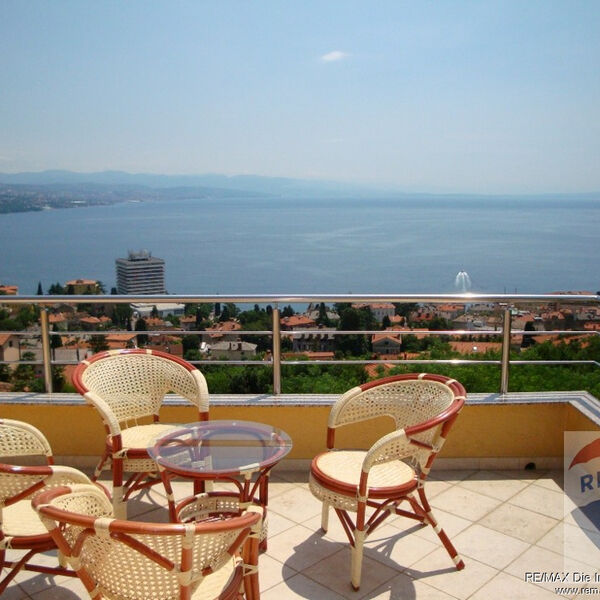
pixel 118 559
pixel 128 387
pixel 423 407
pixel 20 527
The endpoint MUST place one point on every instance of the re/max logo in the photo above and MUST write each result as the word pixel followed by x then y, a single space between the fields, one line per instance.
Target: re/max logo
pixel 588 483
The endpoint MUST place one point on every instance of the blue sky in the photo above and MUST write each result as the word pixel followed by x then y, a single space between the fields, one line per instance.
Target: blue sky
pixel 480 96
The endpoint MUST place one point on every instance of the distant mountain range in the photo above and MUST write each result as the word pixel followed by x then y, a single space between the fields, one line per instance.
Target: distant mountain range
pixel 61 189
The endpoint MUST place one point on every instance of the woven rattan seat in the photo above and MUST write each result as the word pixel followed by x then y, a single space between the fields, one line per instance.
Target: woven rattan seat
pixel 117 559
pixel 393 471
pixel 20 526
pixel 128 387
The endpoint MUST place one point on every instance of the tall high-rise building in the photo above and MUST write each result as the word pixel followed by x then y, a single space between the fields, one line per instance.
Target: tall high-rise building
pixel 140 273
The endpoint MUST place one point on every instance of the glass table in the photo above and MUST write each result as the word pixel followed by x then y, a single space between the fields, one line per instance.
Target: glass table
pixel 242 452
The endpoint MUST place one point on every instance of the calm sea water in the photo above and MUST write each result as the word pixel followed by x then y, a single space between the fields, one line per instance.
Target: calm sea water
pixel 257 246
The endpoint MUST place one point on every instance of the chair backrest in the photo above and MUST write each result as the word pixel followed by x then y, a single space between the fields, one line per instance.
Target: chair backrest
pixel 136 560
pixel 133 383
pixel 21 439
pixel 20 482
pixel 419 403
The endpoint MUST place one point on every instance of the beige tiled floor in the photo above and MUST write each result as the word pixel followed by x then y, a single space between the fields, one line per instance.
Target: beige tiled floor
pixel 504 523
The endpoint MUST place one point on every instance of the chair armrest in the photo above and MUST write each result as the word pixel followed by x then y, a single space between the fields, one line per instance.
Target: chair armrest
pixel 108 417
pixel 393 446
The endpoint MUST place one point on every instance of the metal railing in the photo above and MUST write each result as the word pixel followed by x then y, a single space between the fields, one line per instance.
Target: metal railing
pixel 505 302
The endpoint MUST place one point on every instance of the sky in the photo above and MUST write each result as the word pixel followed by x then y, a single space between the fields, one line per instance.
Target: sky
pixel 465 96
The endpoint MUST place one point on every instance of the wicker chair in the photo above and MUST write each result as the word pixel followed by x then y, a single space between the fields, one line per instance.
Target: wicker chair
pixel 20 527
pixel 118 559
pixel 126 387
pixel 423 407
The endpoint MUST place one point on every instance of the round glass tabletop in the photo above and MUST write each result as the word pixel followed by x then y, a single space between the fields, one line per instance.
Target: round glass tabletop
pixel 213 448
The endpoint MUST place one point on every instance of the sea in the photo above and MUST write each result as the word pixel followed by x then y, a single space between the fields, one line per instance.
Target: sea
pixel 316 246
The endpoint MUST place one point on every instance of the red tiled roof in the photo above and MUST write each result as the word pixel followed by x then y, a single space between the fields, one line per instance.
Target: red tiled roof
pixel 298 320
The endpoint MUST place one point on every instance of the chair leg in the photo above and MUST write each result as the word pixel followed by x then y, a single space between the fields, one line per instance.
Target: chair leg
pixel 325 517
pixel 119 504
pixel 100 466
pixel 250 553
pixel 430 518
pixel 357 556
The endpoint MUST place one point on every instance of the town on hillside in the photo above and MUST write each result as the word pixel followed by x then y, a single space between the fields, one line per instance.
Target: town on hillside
pixel 221 331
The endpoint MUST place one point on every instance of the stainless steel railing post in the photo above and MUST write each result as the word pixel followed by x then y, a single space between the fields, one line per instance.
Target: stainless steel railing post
pixel 46 352
pixel 506 327
pixel 276 352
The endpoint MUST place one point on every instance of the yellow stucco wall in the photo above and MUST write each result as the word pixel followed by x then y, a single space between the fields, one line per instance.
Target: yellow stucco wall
pixel 499 430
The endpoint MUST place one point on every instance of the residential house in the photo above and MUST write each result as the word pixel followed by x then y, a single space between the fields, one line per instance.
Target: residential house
pixel 233 350
pixel 225 331
pixel 475 347
pixel 9 290
pixel 386 343
pixel 380 310
pixel 9 347
pixel 324 341
pixel 297 322
pixel 58 321
pixel 80 287
pixel 188 323
pixel 450 311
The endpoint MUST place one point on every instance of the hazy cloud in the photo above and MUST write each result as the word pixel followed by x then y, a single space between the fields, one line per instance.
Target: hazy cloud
pixel 334 55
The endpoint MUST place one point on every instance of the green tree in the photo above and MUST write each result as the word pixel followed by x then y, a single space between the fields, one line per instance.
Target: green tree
pixel 257 320
pixel 121 315
pixel 323 319
pixel 354 319
pixel 190 342
pixel 288 311
pixel 405 308
pixel 154 312
pixel 528 339
pixel 55 340
pixel 56 289
pixel 40 291
pixel 24 377
pixel 98 343
pixel 140 325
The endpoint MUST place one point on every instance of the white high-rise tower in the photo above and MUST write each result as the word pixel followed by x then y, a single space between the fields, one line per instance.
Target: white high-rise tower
pixel 140 273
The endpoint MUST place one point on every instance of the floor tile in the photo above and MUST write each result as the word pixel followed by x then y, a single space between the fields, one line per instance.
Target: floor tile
pixel 403 587
pixel 552 480
pixel 465 503
pixel 541 500
pixel 505 586
pixel 300 587
pixel 491 483
pixel 451 475
pixel 272 572
pixel 519 522
pixel 488 546
pixel 437 570
pixel 573 542
pixel 277 524
pixel 299 547
pixel 297 505
pixel 334 573
pixel 449 522
pixel 397 549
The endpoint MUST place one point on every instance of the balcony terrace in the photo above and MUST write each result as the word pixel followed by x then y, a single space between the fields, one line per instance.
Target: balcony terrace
pixel 497 488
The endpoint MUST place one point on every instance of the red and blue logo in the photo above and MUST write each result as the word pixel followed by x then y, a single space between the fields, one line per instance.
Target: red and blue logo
pixel 588 477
